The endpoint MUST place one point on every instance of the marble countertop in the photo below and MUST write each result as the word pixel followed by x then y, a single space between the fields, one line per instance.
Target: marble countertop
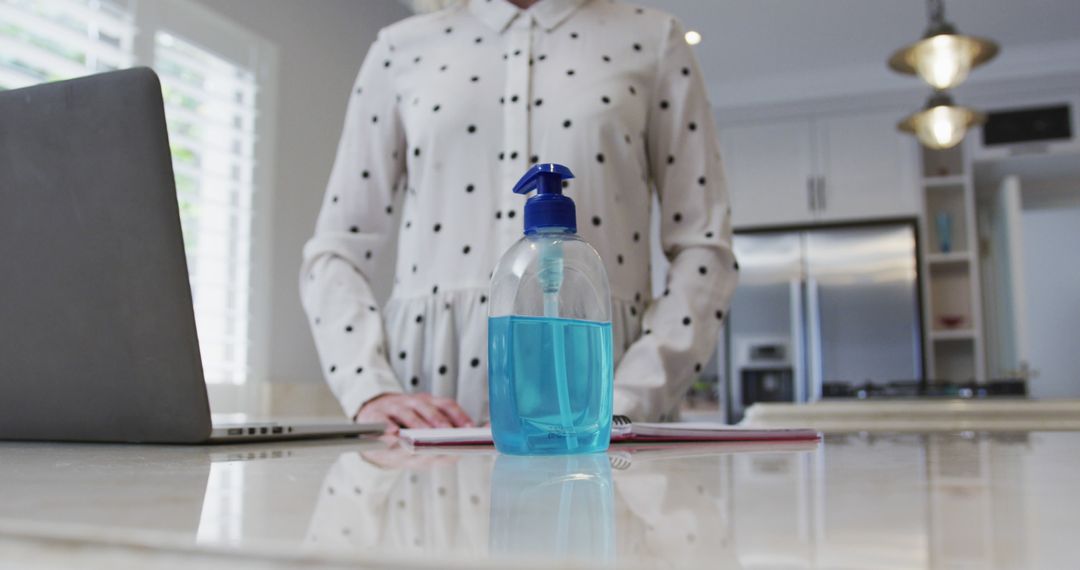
pixel 931 500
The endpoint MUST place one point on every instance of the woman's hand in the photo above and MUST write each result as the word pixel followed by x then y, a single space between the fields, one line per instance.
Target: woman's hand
pixel 413 411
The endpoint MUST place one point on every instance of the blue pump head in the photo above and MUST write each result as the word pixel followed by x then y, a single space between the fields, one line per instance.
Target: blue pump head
pixel 549 208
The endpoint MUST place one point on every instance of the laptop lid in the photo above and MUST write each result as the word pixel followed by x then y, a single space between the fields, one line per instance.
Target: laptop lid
pixel 97 332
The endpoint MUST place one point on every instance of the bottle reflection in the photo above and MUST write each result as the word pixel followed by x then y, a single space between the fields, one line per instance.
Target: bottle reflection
pixel 553 507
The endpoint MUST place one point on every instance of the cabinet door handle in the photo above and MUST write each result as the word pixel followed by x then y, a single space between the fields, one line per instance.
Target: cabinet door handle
pixel 811 193
pixel 821 192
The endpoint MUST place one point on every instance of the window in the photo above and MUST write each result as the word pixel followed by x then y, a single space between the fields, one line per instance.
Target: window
pixel 212 74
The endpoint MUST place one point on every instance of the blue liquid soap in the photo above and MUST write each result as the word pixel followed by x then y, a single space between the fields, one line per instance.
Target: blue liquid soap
pixel 550 384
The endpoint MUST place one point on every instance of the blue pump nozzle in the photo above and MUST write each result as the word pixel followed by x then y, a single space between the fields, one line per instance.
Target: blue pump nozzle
pixel 549 208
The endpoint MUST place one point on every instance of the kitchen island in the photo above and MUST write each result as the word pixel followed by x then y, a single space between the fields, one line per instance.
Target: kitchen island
pixel 869 500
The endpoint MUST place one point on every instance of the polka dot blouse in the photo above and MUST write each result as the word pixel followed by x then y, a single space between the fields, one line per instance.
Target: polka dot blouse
pixel 447 112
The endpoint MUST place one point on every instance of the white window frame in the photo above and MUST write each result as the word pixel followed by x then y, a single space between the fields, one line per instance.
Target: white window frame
pixel 229 40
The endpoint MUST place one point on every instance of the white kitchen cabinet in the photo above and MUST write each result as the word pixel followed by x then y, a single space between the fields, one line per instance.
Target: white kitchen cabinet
pixel 867 168
pixel 822 169
pixel 768 167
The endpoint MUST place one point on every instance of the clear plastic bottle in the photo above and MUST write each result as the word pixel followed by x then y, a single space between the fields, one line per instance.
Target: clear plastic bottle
pixel 550 366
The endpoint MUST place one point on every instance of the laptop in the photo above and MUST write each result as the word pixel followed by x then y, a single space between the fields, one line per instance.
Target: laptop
pixel 97 331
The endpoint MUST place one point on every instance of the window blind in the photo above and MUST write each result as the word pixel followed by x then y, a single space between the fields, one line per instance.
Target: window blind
pixel 211 112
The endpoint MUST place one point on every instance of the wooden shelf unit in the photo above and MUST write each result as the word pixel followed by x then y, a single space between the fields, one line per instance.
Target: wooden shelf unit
pixel 951 284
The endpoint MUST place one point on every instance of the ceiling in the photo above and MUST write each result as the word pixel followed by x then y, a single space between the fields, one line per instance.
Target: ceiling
pixel 755 39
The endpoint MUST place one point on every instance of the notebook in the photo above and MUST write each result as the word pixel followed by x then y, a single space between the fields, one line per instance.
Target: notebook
pixel 623 431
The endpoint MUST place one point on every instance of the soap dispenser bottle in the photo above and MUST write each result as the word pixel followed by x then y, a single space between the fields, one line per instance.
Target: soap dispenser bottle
pixel 550 368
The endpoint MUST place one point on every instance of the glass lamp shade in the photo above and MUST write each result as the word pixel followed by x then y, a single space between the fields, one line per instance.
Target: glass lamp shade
pixel 941 124
pixel 943 60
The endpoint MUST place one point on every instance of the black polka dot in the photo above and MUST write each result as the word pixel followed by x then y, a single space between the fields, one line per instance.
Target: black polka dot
pixel 513 98
pixel 686 71
pixel 607 59
pixel 697 367
pixel 702 270
pixel 565 183
pixel 333 368
pixel 637 47
pixel 686 321
pixel 633 310
pixel 469 188
pixel 736 266
pixel 474 362
pixel 437 227
pixel 416 151
pixel 600 157
pixel 513 155
pixel 318 320
pixel 510 213
pixel 570 72
pixel 498 215
pixel 633 90
pixel 478 39
pixel 443 67
pixel 474 78
pixel 539 102
pixel 359 369
pixel 677 217
pixel 372 308
pixel 719 315
pixel 408 224
pixel 465 250
pixel 502 155
pixel 374 118
pixel 386 63
pixel 367 254
pixel 419 319
pixel 442 369
pixel 389 209
pixel 483 299
pixel 365 174
pixel 637 236
pixel 414 381
pixel 436 108
pixel 542 57
pixel 664 105
pixel 692 126
pixel 701 180
pixel 534 159
pixel 334 199
pixel 573 35
pixel 708 235
pixel 566 124
pixel 354 230
pixel 646 331
pixel 667 291
pixel 670 159
pixel 402 355
pixel 619 259
pixel 596 220
pixel 471 129
pixel 517 52
pixel 637 297
pixel 448 29
pixel 434 289
pixel 414 268
pixel 605 99
pixel 502 100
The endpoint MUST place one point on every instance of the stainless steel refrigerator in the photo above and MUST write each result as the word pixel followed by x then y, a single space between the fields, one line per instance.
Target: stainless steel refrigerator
pixel 822 306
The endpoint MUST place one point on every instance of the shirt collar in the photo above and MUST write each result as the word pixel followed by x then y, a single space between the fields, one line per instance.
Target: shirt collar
pixel 497 14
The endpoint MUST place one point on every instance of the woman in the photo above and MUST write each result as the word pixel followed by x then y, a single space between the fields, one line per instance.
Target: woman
pixel 448 110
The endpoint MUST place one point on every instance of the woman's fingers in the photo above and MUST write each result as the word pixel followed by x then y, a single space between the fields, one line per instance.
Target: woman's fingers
pixel 453 411
pixel 430 412
pixel 406 417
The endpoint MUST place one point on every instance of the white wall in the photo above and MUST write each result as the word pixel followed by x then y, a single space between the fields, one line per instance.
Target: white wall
pixel 1052 292
pixel 321 44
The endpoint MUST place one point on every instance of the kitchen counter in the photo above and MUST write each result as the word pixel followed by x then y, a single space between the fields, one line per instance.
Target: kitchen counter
pixel 914 500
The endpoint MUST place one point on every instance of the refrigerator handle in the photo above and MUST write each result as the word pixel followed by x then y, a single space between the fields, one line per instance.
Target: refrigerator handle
pixel 814 356
pixel 811 193
pixel 821 192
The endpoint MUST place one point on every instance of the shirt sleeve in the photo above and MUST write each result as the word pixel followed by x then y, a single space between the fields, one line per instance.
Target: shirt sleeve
pixel 351 239
pixel 680 327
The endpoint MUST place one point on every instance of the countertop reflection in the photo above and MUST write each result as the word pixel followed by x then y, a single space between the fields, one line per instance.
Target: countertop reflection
pixel 856 500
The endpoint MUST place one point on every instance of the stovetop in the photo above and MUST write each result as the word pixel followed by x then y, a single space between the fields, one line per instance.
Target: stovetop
pixel 905 389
